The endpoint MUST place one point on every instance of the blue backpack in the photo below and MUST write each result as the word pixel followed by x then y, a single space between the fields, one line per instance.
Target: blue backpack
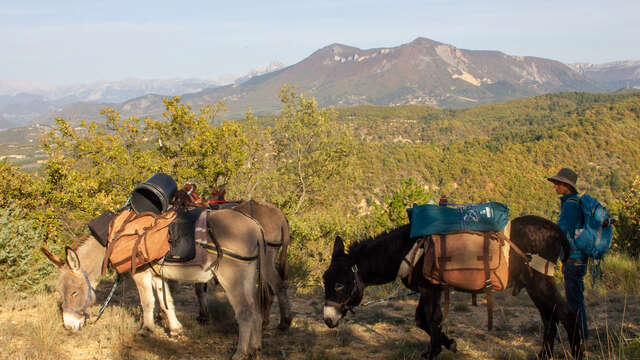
pixel 595 238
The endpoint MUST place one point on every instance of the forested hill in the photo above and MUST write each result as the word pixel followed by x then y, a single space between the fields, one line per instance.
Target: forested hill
pixel 348 171
pixel 504 151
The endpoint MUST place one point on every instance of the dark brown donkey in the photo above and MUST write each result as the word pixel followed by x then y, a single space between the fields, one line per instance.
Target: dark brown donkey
pixel 377 260
pixel 277 237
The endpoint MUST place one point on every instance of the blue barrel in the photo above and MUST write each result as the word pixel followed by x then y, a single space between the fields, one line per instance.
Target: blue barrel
pixel 154 194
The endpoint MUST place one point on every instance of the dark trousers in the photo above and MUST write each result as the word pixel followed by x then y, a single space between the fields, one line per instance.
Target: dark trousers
pixel 574 271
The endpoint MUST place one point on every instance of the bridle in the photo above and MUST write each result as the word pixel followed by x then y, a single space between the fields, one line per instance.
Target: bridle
pixel 91 295
pixel 354 298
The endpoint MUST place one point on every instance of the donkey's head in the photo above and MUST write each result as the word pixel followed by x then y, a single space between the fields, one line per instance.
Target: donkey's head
pixel 74 288
pixel 343 286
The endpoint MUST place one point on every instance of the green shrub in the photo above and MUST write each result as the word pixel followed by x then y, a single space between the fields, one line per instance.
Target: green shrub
pixel 627 229
pixel 620 272
pixel 22 265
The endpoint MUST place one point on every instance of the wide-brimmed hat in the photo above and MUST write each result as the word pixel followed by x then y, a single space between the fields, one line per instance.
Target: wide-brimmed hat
pixel 566 176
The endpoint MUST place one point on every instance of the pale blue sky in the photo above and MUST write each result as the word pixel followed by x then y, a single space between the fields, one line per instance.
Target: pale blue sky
pixel 62 42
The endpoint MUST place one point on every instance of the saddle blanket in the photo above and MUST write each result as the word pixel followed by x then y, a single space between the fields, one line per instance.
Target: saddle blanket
pixel 192 229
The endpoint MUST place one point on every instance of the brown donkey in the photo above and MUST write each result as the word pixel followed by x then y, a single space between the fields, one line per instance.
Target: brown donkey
pixel 277 238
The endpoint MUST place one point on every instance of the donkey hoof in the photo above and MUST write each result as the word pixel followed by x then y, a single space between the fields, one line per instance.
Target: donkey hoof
pixel 145 331
pixel 285 324
pixel 239 356
pixel 174 333
pixel 453 346
pixel 202 319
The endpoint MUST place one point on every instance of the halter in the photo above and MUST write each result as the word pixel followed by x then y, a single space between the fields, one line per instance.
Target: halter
pixel 91 291
pixel 354 298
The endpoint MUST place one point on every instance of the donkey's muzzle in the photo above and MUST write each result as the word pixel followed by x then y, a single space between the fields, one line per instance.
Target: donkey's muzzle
pixel 331 316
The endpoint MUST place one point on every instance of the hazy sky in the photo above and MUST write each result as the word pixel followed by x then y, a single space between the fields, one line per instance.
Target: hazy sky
pixel 63 42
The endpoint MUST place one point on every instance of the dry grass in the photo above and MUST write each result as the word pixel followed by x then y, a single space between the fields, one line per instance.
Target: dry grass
pixel 32 328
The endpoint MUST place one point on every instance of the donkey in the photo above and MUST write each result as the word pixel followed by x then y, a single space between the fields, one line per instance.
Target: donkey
pixel 277 237
pixel 236 233
pixel 377 260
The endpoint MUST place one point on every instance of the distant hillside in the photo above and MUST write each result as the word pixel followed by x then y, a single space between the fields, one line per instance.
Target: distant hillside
pixel 614 75
pixel 496 151
pixel 421 72
pixel 501 151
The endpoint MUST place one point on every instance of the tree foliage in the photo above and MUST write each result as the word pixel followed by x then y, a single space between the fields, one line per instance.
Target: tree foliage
pixel 310 149
pixel 627 229
pixel 348 171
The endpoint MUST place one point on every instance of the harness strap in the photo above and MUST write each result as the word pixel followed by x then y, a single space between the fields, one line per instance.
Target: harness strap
pixel 90 295
pixel 488 286
pixel 224 252
pixel 141 237
pixel 413 254
pixel 442 260
pixel 533 261
pixel 164 292
pixel 445 311
pixel 117 236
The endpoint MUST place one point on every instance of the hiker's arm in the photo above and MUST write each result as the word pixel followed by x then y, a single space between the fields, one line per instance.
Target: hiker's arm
pixel 569 219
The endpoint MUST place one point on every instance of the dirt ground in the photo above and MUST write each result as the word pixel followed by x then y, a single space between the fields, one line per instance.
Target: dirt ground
pixel 32 327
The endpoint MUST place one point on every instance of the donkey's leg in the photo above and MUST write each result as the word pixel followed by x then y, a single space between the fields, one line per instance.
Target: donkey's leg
pixel 201 293
pixel 433 314
pixel 239 282
pixel 144 283
pixel 422 321
pixel 553 307
pixel 278 286
pixel 166 304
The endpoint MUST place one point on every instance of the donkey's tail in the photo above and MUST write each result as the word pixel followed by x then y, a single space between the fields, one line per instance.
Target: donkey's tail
pixel 285 233
pixel 263 285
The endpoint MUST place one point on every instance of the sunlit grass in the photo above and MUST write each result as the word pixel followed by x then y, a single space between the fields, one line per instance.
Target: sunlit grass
pixel 31 327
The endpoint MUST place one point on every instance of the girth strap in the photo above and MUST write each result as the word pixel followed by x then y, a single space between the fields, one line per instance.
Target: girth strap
pixel 442 260
pixel 487 276
pixel 219 251
pixel 447 301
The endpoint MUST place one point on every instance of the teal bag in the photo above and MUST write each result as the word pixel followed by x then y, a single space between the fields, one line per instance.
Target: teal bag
pixel 595 237
pixel 433 219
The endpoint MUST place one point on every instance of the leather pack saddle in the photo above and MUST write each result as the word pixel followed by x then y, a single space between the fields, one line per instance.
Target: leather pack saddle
pixel 468 260
pixel 137 239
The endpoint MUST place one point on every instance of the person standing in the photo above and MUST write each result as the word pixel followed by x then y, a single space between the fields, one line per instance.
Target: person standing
pixel 569 221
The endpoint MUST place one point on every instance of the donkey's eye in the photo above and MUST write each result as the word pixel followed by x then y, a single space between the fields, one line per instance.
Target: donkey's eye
pixel 74 294
pixel 339 287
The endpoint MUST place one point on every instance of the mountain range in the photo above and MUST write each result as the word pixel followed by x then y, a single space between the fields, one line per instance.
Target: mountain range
pixel 614 75
pixel 420 72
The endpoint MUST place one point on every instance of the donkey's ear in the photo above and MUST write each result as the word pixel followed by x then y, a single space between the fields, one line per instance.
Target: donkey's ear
pixel 73 260
pixel 54 259
pixel 338 247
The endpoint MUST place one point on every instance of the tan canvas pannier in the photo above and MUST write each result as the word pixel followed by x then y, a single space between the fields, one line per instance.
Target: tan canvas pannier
pixel 137 239
pixel 458 260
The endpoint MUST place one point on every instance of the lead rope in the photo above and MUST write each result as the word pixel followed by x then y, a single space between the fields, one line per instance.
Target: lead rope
pixel 113 291
pixel 389 298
